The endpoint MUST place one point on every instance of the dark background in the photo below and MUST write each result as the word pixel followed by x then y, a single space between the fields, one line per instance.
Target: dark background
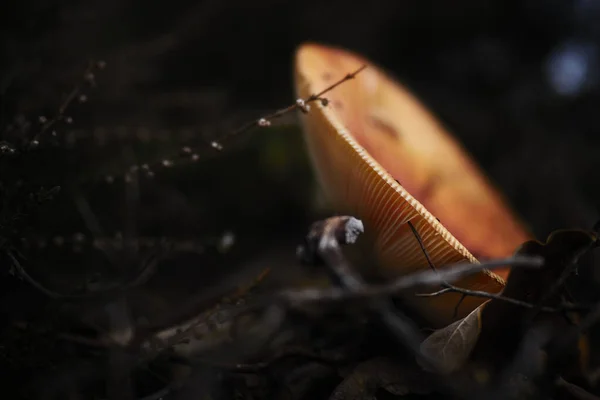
pixel 515 81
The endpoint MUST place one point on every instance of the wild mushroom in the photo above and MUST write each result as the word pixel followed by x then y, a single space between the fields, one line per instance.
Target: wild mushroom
pixel 381 156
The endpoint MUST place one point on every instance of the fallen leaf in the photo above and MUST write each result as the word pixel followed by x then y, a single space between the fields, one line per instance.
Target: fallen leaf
pixel 505 324
pixel 451 346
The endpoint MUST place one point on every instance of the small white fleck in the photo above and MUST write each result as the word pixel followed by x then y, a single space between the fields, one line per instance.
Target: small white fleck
pixel 354 227
pixel 227 241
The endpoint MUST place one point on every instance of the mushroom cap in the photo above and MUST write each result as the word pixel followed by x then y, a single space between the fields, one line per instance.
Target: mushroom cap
pixel 380 156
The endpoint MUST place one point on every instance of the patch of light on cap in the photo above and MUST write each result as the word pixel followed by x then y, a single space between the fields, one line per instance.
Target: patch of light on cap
pixel 370 80
pixel 569 67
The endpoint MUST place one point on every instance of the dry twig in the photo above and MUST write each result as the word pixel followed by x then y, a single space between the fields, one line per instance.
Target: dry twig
pixel 448 274
pixel 75 93
pixel 449 288
pixel 190 155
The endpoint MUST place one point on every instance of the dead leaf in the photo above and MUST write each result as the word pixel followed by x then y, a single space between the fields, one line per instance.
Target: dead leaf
pixel 453 345
pixel 503 324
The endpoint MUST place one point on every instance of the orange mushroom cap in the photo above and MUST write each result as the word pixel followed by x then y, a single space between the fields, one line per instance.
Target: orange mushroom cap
pixel 382 157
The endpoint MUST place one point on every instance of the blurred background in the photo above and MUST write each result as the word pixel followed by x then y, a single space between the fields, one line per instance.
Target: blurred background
pixel 516 81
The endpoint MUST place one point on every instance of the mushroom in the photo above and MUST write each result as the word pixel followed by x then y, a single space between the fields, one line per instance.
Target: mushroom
pixel 381 156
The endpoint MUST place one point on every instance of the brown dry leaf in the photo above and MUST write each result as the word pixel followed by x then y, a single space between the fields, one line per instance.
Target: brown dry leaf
pixel 382 157
pixel 504 325
pixel 453 345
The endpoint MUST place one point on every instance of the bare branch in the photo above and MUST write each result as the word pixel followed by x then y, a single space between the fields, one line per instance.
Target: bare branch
pixel 189 155
pixel 301 104
pixel 448 274
pixel 448 288
pixel 140 277
pixel 75 93
pixel 486 295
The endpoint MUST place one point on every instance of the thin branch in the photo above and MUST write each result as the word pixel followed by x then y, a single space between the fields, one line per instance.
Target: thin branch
pixel 141 276
pixel 448 288
pixel 23 274
pixel 189 155
pixel 486 295
pixel 448 274
pixel 291 352
pixel 432 266
pixel 301 104
pixel 422 245
pixel 76 241
pixel 76 92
